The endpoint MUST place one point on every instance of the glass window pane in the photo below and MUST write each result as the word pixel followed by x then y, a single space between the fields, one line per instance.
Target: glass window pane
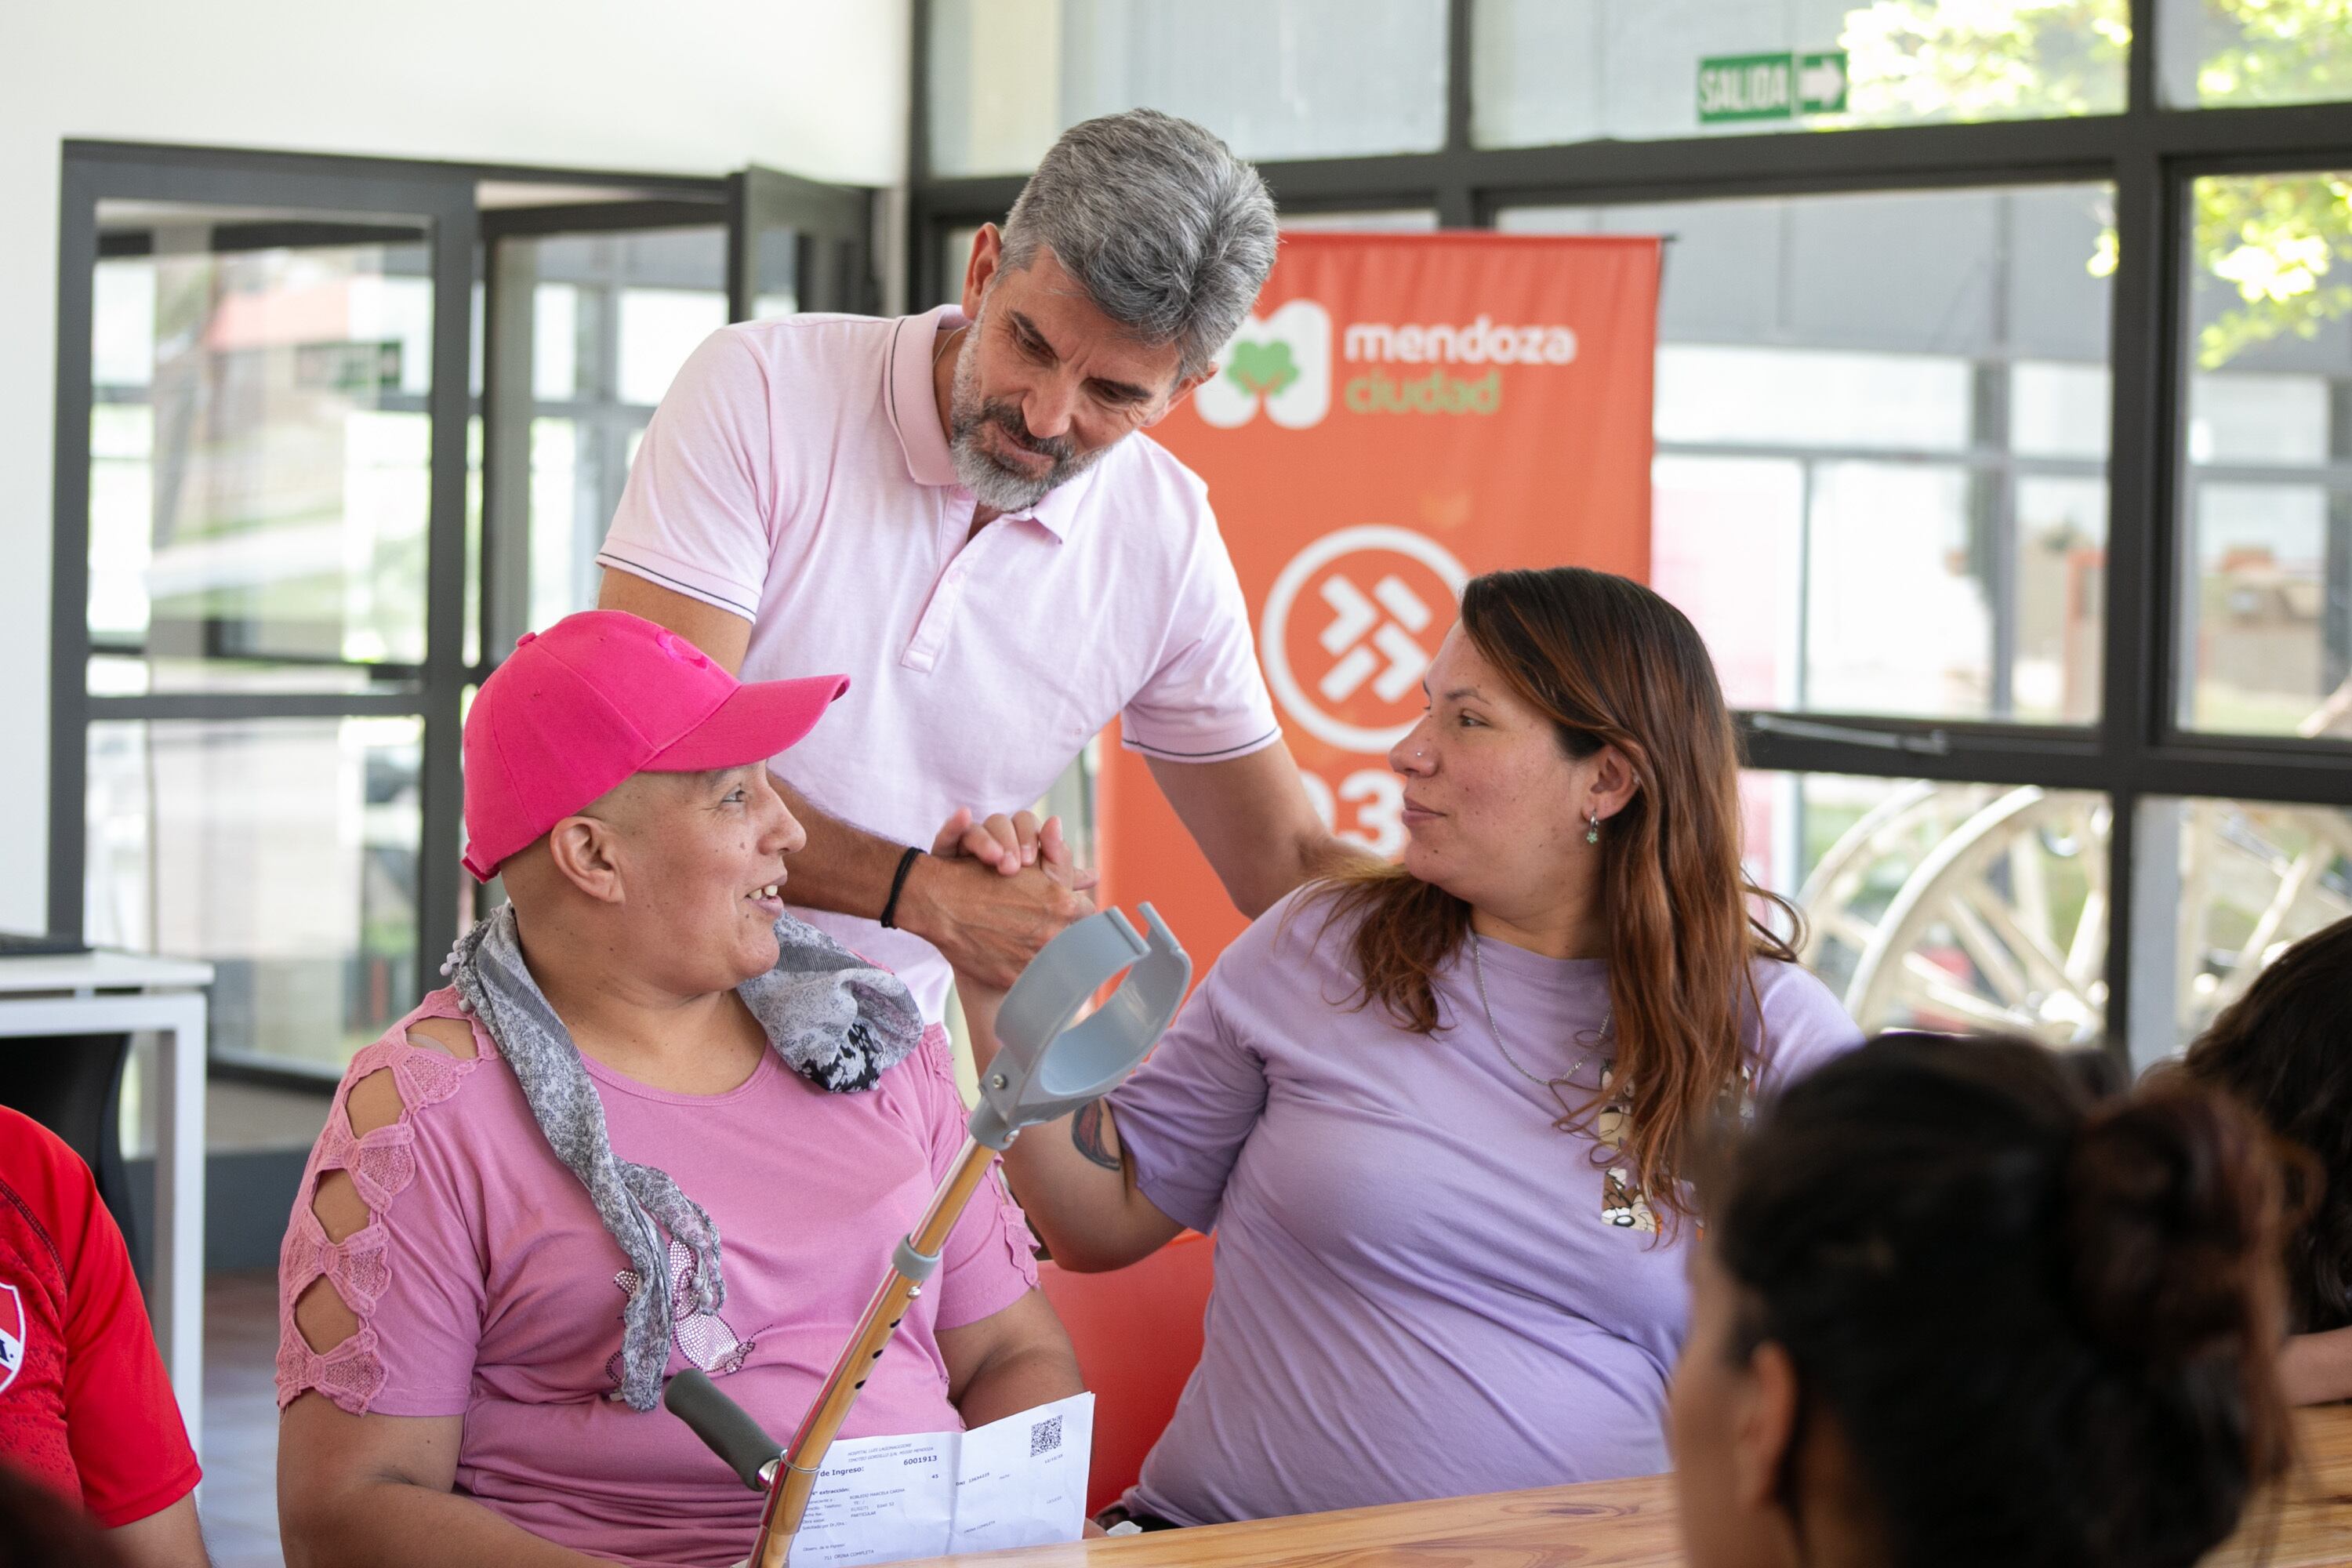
pixel 563 552
pixel 470 648
pixel 1707 511
pixel 386 481
pixel 122 323
pixel 1787 397
pixel 1880 484
pixel 658 328
pixel 1943 905
pixel 1316 78
pixel 2256 418
pixel 2060 565
pixel 122 519
pixel 775 257
pixel 258 454
pixel 555 329
pixel 955 260
pixel 2263 651
pixel 2265 609
pixel 2058 410
pixel 398 311
pixel 614 314
pixel 1897 619
pixel 2248 880
pixel 2212 52
pixel 1552 72
pixel 2265 290
pixel 283 851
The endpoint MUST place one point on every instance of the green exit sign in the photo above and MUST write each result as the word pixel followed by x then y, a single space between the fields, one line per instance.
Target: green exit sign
pixel 1734 88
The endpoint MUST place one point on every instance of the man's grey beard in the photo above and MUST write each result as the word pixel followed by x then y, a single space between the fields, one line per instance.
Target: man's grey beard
pixel 970 416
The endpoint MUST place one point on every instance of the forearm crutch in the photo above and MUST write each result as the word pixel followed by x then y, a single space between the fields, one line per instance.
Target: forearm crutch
pixel 1045 1068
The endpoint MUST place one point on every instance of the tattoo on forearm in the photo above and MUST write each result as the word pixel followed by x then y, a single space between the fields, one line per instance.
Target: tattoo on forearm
pixel 1096 1139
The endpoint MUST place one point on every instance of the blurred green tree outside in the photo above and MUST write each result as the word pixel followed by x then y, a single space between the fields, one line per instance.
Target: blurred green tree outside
pixel 2281 242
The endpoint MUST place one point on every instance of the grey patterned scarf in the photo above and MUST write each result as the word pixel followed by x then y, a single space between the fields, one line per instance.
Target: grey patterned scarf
pixel 835 1019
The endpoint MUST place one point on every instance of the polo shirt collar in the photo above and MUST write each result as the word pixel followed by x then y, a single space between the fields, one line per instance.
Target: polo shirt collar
pixel 914 406
pixel 914 416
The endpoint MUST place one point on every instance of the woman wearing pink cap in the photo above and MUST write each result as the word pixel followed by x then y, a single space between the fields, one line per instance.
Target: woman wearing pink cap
pixel 652 1123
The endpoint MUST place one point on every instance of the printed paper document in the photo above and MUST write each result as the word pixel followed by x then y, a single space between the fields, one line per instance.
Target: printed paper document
pixel 1021 1481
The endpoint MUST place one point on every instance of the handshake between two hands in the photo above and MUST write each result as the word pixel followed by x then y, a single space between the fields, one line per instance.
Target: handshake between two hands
pixel 1010 887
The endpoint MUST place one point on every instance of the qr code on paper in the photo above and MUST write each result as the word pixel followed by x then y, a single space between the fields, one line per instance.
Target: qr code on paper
pixel 1045 1438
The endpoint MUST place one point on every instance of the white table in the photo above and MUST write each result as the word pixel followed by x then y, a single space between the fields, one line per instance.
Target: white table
pixel 118 993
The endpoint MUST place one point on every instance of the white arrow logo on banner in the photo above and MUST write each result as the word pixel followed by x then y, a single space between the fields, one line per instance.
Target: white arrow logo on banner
pixel 1407 659
pixel 1373 637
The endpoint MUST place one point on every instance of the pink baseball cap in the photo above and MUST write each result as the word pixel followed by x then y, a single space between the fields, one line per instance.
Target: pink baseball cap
pixel 597 697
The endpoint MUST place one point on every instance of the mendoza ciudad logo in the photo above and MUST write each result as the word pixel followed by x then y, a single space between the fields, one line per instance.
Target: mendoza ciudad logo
pixel 1282 361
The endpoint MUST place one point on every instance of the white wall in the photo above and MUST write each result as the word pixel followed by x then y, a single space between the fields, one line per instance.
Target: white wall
pixel 695 87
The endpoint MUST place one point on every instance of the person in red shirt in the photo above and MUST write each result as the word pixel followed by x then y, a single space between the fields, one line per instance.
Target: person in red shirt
pixel 85 1406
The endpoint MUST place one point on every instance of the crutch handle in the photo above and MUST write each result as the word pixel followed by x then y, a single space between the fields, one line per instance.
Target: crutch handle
pixel 723 1426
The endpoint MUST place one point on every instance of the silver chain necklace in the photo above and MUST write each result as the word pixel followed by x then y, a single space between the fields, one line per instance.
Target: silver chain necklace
pixel 1608 1023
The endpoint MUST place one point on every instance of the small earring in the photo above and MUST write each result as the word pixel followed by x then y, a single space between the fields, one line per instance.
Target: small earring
pixel 1592 829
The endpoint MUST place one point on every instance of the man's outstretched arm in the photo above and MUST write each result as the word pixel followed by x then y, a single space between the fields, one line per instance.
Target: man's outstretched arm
pixel 1252 819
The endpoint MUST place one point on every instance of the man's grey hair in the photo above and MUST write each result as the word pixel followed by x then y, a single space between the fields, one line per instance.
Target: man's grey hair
pixel 1170 234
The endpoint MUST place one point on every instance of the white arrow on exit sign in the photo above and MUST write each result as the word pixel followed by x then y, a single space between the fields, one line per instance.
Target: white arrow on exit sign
pixel 1821 83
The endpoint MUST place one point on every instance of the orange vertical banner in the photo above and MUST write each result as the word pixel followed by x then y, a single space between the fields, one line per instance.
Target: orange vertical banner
pixel 1399 413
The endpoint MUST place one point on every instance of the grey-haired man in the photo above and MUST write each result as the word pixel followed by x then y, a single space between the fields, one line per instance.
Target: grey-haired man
pixel 959 509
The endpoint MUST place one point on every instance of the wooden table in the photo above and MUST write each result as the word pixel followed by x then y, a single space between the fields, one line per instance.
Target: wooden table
pixel 1630 1525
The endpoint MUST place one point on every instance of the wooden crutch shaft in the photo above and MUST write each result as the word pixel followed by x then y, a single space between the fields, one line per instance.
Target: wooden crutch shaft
pixel 794 1480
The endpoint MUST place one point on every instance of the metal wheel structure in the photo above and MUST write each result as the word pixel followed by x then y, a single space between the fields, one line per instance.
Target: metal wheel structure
pixel 1977 906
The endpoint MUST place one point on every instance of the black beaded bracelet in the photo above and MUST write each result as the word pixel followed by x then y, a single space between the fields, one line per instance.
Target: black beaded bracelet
pixel 898 885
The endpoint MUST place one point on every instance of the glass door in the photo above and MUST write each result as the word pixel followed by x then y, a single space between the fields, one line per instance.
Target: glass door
pixel 261 521
pixel 291 543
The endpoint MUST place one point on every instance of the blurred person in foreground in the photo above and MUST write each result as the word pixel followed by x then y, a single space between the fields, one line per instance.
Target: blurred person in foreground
pixel 2285 1049
pixel 40 1530
pixel 1953 1307
pixel 86 1407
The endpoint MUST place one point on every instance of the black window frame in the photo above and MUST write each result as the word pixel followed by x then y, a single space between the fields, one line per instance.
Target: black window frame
pixel 2148 153
pixel 829 227
pixel 445 197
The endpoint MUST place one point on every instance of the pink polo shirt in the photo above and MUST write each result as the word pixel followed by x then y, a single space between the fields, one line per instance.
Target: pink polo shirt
pixel 797 475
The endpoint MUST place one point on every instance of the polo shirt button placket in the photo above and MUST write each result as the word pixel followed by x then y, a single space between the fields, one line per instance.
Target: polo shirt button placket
pixel 931 629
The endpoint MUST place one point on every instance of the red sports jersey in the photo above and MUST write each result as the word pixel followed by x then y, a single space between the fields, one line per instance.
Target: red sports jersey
pixel 84 1402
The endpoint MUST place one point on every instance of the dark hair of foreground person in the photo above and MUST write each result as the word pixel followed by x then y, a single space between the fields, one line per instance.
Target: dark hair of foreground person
pixel 1956 1306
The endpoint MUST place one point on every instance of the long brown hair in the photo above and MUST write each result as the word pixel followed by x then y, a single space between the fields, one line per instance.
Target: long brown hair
pixel 2281 1048
pixel 1610 663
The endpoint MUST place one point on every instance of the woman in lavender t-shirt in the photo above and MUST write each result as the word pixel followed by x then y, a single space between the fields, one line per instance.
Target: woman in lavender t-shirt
pixel 1439 1115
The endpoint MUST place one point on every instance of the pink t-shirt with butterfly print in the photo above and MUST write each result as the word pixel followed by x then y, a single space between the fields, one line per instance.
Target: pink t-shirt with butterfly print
pixel 487 1286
